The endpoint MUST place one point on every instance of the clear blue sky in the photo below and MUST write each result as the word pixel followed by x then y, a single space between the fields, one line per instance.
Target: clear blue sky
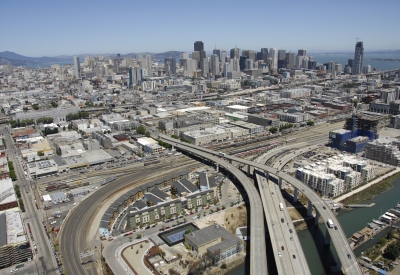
pixel 48 27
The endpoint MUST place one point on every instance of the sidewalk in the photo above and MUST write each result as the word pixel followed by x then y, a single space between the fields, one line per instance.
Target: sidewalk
pixel 345 196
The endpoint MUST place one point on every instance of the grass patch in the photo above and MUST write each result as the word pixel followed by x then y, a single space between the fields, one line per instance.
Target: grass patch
pixel 369 193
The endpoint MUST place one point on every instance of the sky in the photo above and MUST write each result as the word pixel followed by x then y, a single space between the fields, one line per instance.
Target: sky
pixel 52 28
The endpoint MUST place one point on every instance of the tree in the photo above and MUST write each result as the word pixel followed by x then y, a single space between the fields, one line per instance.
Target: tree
pixel 174 190
pixel 35 106
pixel 273 130
pixel 392 251
pixel 64 128
pixel 147 134
pixel 40 153
pixel 141 130
pixel 54 104
pixel 130 238
pixel 138 236
pixel 223 266
pixel 310 123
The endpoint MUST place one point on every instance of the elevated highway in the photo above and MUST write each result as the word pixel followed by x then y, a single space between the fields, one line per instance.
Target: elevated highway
pixel 348 261
pixel 258 256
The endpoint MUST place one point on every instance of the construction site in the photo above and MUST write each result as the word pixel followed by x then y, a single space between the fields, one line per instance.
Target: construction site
pixel 359 129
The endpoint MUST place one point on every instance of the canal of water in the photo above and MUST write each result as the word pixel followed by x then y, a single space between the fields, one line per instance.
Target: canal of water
pixel 312 239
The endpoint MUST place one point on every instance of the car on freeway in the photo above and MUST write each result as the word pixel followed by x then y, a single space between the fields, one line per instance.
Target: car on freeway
pixel 14 270
pixel 279 254
pixel 335 227
pixel 349 256
pixel 167 227
pixel 282 247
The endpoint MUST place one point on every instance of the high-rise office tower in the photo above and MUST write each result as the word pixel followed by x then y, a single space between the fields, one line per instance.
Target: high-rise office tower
pixel 116 65
pixel 350 62
pixel 259 57
pixel 227 69
pixel 245 53
pixel 214 64
pixel 135 76
pixel 217 52
pixel 185 56
pixel 205 67
pixel 167 66
pixel 242 62
pixel 173 65
pixel 235 52
pixel 148 64
pixel 273 54
pixel 302 52
pixel 367 69
pixel 196 56
pixel 77 67
pixel 252 55
pixel 358 58
pixel 289 60
pixel 248 65
pixel 235 67
pixel 198 46
pixel 223 56
pixel 281 54
pixel 264 54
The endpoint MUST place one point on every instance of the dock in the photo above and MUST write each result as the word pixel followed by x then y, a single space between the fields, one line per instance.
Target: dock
pixel 360 205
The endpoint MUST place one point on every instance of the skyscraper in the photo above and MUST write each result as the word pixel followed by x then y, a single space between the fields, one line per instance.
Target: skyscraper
pixel 264 54
pixel 235 52
pixel 135 76
pixel 350 62
pixel 273 54
pixel 148 64
pixel 223 56
pixel 116 65
pixel 290 60
pixel 214 64
pixel 196 56
pixel 173 65
pixel 358 58
pixel 302 52
pixel 77 67
pixel 205 68
pixel 217 52
pixel 199 47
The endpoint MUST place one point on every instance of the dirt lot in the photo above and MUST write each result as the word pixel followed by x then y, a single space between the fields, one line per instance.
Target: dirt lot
pixel 235 217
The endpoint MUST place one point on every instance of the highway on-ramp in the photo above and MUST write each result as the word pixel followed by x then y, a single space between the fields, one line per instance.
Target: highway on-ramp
pixel 348 261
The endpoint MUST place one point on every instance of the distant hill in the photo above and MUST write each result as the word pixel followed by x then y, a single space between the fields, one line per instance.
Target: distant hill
pixel 21 60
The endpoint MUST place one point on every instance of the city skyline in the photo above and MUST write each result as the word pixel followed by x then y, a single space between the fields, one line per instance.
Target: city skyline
pixel 52 29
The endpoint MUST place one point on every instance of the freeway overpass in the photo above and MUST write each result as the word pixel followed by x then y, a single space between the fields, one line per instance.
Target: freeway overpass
pixel 258 256
pixel 348 261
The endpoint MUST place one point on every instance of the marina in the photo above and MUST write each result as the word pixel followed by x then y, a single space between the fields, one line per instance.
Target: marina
pixel 386 220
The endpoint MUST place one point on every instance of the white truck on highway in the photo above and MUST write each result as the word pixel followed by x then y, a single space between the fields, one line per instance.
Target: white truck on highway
pixel 281 206
pixel 330 223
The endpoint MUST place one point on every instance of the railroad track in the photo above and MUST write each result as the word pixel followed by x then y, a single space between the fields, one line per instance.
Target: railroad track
pixel 75 228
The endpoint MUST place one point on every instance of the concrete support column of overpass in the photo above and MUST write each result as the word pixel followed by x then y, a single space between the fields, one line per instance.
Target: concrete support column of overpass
pixel 217 167
pixel 309 209
pixel 248 170
pixel 327 237
pixel 267 176
pixel 316 218
pixel 173 148
pixel 280 183
pixel 296 193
